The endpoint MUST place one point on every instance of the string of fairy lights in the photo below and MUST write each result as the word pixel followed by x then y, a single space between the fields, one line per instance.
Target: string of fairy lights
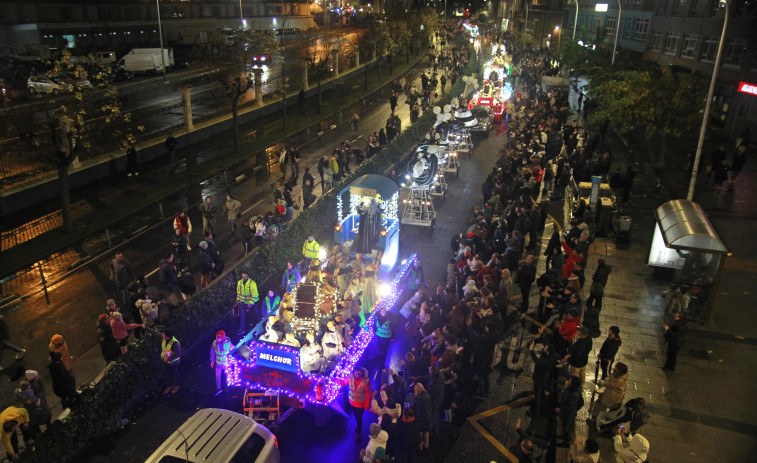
pixel 324 389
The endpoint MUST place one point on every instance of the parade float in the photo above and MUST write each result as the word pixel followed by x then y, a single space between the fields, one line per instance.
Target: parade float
pixel 495 90
pixel 276 369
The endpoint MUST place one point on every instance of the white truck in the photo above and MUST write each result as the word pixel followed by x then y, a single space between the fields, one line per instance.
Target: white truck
pixel 146 60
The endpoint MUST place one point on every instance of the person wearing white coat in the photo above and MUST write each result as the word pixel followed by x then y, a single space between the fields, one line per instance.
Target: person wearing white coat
pixel 630 449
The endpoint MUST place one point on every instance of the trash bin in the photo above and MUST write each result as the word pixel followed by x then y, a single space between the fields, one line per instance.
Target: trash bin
pixel 624 224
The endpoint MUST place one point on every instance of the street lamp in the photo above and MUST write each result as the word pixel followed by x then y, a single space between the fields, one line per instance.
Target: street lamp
pixel 559 37
pixel 526 26
pixel 602 8
pixel 160 34
pixel 708 106
pixel 575 21
pixel 617 29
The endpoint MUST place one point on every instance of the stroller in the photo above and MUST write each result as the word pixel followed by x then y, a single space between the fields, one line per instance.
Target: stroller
pixel 633 412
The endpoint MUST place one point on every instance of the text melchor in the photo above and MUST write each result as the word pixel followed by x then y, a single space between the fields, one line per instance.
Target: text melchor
pixel 276 358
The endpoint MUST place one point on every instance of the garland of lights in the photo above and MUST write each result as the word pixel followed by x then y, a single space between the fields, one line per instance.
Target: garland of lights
pixel 326 388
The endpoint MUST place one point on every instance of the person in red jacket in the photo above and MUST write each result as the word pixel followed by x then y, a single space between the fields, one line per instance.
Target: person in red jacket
pixel 359 395
pixel 571 259
pixel 569 326
pixel 182 222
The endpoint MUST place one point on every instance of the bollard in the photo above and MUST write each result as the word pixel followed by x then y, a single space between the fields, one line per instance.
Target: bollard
pixel 44 282
pixel 107 235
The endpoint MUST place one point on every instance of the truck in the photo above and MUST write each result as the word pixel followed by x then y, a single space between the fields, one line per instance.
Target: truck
pixel 146 60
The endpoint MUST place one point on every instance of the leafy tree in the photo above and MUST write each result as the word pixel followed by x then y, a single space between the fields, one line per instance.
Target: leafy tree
pixel 87 117
pixel 237 79
pixel 402 38
pixel 659 103
pixel 316 48
pixel 384 42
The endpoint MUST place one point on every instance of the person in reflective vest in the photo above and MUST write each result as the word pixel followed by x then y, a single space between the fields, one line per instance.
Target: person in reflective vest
pixel 219 357
pixel 247 296
pixel 310 250
pixel 291 276
pixel 359 396
pixel 170 353
pixel 271 304
pixel 384 332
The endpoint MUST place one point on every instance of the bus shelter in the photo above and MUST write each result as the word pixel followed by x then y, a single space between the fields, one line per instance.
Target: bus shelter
pixel 687 249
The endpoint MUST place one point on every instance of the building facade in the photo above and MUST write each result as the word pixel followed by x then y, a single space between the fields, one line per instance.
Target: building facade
pixel 686 33
pixel 90 25
pixel 600 26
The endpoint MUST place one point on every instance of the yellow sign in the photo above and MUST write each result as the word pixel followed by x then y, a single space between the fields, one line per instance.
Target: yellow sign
pixel 360 191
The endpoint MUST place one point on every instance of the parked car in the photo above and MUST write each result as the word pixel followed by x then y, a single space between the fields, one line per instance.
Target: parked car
pixel 43 84
pixel 78 82
pixel 218 436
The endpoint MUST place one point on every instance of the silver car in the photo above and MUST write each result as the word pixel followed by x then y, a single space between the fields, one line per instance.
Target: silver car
pixel 218 436
pixel 47 85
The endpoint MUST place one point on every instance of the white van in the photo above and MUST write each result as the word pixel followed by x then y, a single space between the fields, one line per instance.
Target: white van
pixel 104 58
pixel 146 60
pixel 214 435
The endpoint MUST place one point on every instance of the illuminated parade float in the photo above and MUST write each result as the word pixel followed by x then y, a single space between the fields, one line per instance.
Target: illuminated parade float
pixel 495 91
pixel 269 359
pixel 278 368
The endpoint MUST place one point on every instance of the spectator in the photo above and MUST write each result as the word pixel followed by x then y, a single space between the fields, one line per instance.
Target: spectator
pixel 64 383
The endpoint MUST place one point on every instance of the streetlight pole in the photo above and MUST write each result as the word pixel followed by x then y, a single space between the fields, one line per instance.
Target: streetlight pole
pixel 575 21
pixel 708 106
pixel 160 34
pixel 525 29
pixel 241 17
pixel 617 29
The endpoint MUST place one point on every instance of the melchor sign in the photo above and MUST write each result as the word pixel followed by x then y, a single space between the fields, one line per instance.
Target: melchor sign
pixel 748 88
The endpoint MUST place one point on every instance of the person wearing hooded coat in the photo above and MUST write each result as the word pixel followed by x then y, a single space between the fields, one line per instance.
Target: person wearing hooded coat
pixel 376 448
pixel 633 449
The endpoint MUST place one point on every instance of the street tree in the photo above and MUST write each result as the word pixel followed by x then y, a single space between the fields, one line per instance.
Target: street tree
pixel 659 103
pixel 238 77
pixel 316 49
pixel 86 120
pixel 384 42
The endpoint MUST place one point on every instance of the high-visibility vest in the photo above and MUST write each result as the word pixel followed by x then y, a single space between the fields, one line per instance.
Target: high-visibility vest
pixel 385 330
pixel 222 351
pixel 270 309
pixel 247 291
pixel 290 279
pixel 359 392
pixel 310 249
pixel 167 353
